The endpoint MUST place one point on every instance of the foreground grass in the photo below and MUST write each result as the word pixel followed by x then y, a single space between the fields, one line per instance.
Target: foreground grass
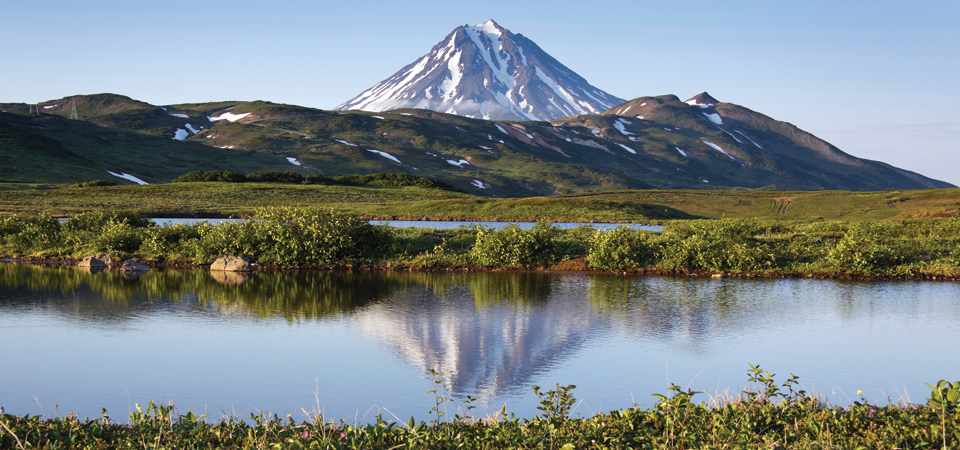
pixel 649 206
pixel 915 248
pixel 767 415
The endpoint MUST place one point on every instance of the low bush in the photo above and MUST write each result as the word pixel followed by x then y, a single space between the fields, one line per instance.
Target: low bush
pixel 31 234
pixel 211 177
pixel 94 183
pixel 94 221
pixel 513 247
pixel 622 248
pixel 294 236
pixel 720 245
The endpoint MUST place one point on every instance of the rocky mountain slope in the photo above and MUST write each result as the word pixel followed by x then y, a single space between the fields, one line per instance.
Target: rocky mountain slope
pixel 487 72
pixel 649 142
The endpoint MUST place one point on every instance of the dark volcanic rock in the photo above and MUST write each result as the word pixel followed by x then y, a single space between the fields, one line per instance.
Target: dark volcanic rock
pixel 132 265
pixel 96 261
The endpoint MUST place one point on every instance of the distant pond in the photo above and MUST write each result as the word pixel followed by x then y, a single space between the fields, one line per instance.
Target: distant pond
pixel 354 344
pixel 439 224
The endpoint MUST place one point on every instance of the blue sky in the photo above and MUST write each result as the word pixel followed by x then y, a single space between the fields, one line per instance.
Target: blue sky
pixel 878 79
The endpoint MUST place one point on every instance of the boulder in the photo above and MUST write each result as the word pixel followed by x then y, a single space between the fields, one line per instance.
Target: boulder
pixel 231 263
pixel 132 265
pixel 96 261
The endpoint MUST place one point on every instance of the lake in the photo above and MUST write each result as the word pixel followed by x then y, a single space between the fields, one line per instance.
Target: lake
pixel 354 344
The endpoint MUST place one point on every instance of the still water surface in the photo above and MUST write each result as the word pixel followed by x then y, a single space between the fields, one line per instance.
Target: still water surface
pixel 438 224
pixel 354 344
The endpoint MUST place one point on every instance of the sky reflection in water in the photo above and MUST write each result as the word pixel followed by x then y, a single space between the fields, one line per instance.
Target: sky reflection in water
pixel 230 343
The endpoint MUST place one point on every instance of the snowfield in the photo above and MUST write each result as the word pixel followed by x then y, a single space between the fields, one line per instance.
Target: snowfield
pixel 182 116
pixel 126 176
pixel 459 163
pixel 619 126
pixel 180 134
pixel 384 154
pixel 293 161
pixel 715 118
pixel 231 117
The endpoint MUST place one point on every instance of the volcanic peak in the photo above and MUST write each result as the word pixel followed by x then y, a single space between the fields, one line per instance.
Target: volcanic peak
pixel 703 100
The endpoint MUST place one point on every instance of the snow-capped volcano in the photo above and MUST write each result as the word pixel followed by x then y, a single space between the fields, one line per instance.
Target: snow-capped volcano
pixel 487 72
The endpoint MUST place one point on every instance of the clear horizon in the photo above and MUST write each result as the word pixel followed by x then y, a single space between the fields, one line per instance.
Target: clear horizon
pixel 880 80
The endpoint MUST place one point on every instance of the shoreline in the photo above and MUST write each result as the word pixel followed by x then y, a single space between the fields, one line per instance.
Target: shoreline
pixel 573 266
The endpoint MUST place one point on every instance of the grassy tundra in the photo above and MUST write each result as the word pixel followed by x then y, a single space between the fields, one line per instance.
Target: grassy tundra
pixel 206 199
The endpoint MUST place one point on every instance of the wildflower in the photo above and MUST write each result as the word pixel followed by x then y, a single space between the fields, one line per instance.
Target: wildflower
pixel 305 433
pixel 343 435
pixel 859 392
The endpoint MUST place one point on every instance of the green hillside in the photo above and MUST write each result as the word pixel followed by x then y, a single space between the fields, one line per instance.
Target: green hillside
pixel 650 142
pixel 52 149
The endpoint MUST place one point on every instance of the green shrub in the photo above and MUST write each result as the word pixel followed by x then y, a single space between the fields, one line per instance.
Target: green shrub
pixel 864 248
pixel 94 183
pixel 287 235
pixel 720 245
pixel 317 178
pixel 117 238
pixel 395 180
pixel 32 234
pixel 513 247
pixel 96 220
pixel 210 177
pixel 171 241
pixel 275 176
pixel 621 248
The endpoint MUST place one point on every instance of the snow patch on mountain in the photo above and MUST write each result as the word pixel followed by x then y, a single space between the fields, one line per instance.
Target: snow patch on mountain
pixel 714 117
pixel 528 135
pixel 180 134
pixel 384 154
pixel 681 151
pixel 731 135
pixel 345 142
pixel 231 117
pixel 127 176
pixel 717 148
pixel 751 140
pixel 627 148
pixel 457 163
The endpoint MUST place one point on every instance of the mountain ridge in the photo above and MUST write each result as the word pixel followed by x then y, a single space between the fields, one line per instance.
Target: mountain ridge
pixel 648 142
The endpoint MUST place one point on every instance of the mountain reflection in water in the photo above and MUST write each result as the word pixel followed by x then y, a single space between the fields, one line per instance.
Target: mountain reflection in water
pixel 488 335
